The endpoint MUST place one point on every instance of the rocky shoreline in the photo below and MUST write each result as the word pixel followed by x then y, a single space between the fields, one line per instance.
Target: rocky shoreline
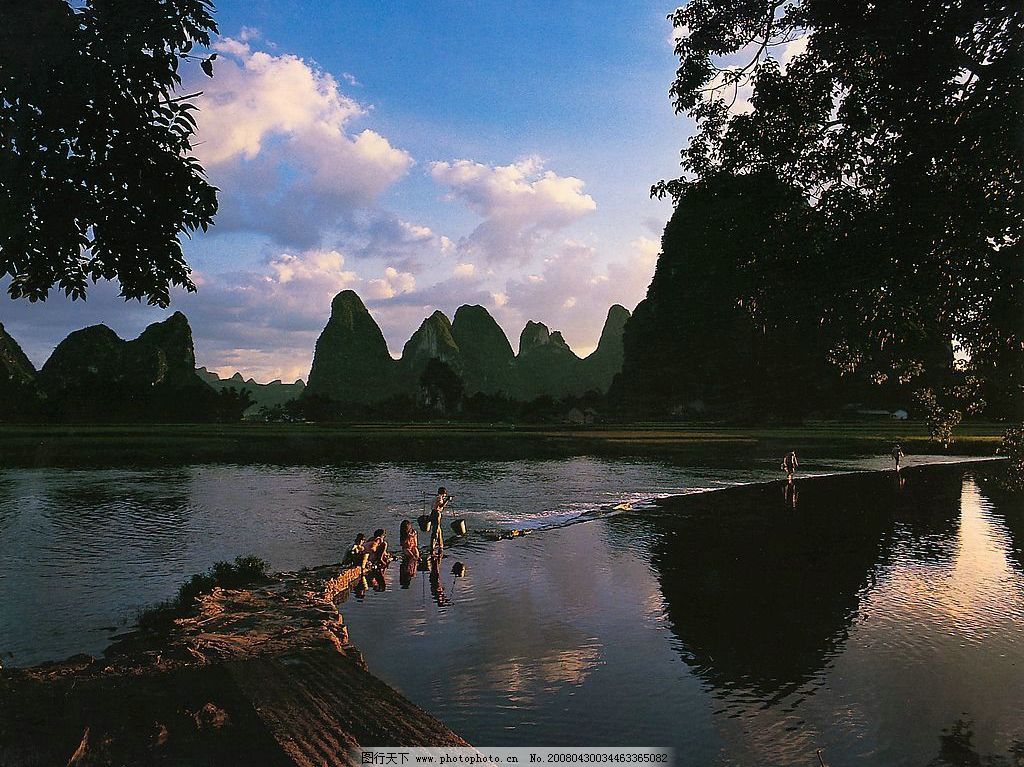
pixel 260 675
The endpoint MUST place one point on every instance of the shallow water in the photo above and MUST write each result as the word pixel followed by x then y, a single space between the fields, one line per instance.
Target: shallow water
pixel 881 626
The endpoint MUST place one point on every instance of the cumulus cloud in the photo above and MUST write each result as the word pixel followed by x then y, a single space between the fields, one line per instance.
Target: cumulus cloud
pixel 393 283
pixel 385 236
pixel 792 49
pixel 573 290
pixel 276 135
pixel 520 204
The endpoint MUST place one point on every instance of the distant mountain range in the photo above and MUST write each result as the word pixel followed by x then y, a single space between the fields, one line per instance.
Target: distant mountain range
pixel 351 362
pixel 263 395
pixel 93 374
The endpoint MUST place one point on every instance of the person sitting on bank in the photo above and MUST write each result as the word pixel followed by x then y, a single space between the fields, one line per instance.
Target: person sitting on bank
pixel 409 540
pixel 436 536
pixel 377 547
pixel 354 556
pixel 790 464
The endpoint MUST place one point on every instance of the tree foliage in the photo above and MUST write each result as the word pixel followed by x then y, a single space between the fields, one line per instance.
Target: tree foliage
pixel 97 179
pixel 899 124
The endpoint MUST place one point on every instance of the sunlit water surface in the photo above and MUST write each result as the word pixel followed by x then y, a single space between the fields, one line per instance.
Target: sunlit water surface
pixel 884 630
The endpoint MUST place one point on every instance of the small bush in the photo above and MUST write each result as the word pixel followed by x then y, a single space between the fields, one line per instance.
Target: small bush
pixel 244 571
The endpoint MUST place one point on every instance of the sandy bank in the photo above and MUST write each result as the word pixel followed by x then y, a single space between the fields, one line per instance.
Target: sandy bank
pixel 262 675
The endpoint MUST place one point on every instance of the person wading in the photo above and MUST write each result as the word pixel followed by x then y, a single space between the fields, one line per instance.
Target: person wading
pixel 790 464
pixel 436 536
pixel 897 454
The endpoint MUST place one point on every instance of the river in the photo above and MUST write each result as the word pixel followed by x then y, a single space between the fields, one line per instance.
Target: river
pixel 879 622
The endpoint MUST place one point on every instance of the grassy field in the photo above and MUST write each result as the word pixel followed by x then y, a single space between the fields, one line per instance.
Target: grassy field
pixel 22 445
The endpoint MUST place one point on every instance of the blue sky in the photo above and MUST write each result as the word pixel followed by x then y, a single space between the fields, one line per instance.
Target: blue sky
pixel 425 155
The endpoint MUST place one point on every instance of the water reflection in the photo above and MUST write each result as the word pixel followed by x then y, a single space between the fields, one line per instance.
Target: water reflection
pixel 760 593
pixel 957 749
pixel 859 622
pixel 1010 511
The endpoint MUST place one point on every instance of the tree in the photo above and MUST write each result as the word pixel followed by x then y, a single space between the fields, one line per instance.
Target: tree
pixel 97 179
pixel 899 123
pixel 231 404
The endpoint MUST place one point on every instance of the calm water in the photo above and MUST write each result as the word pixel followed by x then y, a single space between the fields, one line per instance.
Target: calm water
pixel 883 624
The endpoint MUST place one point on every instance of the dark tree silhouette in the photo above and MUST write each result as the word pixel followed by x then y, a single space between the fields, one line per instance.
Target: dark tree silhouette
pixel 231 404
pixel 899 123
pixel 97 180
pixel 441 386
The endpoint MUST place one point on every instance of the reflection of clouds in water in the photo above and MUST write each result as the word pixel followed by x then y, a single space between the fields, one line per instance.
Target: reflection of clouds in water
pixel 527 677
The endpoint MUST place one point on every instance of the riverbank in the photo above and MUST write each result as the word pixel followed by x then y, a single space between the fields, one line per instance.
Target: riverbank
pixel 295 444
pixel 261 675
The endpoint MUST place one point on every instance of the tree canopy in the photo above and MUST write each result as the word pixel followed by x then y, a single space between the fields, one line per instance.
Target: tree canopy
pixel 899 123
pixel 97 179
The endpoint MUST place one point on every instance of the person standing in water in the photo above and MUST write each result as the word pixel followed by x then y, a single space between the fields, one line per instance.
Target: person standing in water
pixel 790 464
pixel 897 454
pixel 436 536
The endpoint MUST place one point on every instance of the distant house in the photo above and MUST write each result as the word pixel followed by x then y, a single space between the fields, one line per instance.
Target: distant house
pixel 580 416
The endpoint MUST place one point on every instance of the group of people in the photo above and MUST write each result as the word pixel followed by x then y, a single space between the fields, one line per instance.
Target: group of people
pixel 373 553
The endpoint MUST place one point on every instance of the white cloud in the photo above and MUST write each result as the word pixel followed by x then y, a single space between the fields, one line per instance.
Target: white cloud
pixel 520 203
pixel 574 290
pixel 645 252
pixel 791 50
pixel 275 133
pixel 393 283
pixel 264 321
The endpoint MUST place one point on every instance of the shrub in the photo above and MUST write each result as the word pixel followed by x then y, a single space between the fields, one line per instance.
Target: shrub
pixel 1013 448
pixel 244 571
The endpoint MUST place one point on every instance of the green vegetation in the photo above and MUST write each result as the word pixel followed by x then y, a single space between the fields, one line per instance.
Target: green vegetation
pixel 94 376
pixel 1013 448
pixel 864 212
pixel 303 443
pixel 99 179
pixel 244 571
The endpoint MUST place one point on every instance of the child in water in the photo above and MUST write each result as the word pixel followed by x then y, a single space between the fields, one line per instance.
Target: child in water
pixel 436 537
pixel 409 539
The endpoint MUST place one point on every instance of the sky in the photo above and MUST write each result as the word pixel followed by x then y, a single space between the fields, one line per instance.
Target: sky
pixel 425 155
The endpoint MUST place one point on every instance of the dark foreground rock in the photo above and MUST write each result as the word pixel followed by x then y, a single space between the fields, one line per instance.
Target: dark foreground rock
pixel 263 675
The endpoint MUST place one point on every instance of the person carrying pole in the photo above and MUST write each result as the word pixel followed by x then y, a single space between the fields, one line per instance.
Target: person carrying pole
pixel 436 536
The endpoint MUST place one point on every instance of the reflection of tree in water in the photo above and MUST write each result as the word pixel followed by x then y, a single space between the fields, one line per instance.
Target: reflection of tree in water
pixel 927 510
pixel 957 749
pixel 1009 507
pixel 761 594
